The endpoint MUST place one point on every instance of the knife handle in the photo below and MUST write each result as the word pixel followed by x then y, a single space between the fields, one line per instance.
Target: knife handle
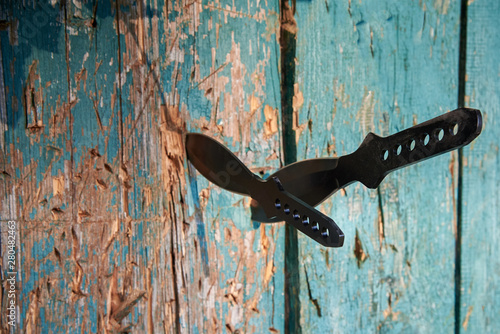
pixel 283 206
pixel 378 156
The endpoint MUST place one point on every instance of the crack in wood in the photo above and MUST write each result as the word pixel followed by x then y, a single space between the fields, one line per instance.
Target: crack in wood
pixel 313 300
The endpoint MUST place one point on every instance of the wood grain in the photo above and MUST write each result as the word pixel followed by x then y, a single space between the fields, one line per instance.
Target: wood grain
pixel 379 66
pixel 117 231
pixel 480 265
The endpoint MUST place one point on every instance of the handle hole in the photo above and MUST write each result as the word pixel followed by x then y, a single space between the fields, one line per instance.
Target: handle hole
pixel 454 129
pixel 439 134
pixel 325 232
pixel 305 220
pixel 397 150
pixel 411 145
pixel 425 139
pixel 315 226
pixel 296 215
pixel 277 204
pixel 287 209
pixel 385 155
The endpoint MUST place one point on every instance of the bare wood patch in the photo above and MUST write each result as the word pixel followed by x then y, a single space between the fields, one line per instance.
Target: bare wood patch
pixel 359 253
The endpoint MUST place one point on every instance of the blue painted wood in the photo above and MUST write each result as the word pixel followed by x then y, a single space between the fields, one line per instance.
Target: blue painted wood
pixel 116 230
pixel 381 67
pixel 480 266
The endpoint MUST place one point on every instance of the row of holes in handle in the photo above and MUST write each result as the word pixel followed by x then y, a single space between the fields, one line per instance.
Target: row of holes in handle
pixel 305 219
pixel 424 140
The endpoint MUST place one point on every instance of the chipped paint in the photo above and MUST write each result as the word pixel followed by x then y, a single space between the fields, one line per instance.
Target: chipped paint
pixel 389 311
pixel 465 324
pixel 442 6
pixel 288 22
pixel 117 236
pixel 359 253
pixel 366 112
pixel 271 123
pixel 33 99
pixel 297 102
pixel 479 289
pixel 367 67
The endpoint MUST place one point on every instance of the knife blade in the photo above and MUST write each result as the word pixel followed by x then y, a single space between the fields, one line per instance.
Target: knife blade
pixel 315 180
pixel 223 168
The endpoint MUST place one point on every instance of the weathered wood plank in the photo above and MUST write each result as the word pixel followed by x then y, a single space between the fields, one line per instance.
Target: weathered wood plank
pixel 379 66
pixel 480 265
pixel 116 230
